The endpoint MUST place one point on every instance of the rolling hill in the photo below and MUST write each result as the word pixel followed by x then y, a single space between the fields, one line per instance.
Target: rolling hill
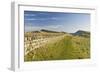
pixel 82 33
pixel 52 45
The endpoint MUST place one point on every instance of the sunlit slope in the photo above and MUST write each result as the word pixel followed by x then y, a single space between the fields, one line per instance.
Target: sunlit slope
pixel 62 47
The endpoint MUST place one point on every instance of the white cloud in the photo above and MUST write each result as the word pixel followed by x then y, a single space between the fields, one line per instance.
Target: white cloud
pixel 54 18
pixel 50 27
pixel 54 26
pixel 43 13
pixel 31 28
pixel 30 14
pixel 30 19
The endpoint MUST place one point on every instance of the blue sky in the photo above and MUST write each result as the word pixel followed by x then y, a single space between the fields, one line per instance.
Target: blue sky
pixel 56 21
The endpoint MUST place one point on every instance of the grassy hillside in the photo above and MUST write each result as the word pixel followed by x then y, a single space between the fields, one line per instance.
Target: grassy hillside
pixel 64 46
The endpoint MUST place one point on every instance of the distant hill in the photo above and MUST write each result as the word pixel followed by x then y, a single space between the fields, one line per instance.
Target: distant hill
pixel 78 33
pixel 44 30
pixel 82 33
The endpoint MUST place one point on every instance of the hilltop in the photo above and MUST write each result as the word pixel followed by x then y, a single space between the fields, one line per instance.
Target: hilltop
pixel 82 33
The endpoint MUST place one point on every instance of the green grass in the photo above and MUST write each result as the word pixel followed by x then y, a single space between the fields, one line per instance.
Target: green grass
pixel 67 47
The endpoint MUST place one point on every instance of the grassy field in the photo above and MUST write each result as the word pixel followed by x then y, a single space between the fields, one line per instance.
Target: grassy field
pixel 62 47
